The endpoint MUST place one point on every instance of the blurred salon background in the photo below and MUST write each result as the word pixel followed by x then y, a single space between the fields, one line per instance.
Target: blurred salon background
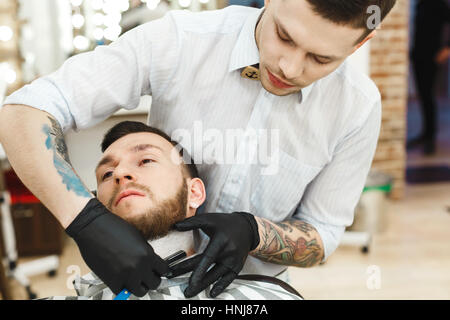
pixel 399 244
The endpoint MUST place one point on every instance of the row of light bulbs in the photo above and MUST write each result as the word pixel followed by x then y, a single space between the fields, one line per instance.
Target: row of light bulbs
pixel 7 73
pixel 107 18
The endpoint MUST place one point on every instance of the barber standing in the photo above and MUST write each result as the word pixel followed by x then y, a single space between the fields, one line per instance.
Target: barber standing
pixel 278 69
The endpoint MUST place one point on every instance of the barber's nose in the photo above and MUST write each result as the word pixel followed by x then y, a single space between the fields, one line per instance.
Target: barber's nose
pixel 292 65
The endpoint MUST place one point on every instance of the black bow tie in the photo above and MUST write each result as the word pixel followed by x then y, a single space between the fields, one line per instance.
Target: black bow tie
pixel 251 72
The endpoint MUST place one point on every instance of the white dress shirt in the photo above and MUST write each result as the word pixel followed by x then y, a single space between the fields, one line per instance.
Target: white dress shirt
pixel 323 138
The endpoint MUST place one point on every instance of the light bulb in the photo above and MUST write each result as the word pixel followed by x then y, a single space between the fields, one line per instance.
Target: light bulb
pixel 112 33
pixel 10 75
pixel 81 43
pixel 184 3
pixel 98 34
pixel 97 4
pixel 152 4
pixel 77 21
pixel 6 33
pixel 76 3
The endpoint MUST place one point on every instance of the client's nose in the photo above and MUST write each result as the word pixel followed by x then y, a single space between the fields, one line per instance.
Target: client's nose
pixel 123 175
pixel 124 179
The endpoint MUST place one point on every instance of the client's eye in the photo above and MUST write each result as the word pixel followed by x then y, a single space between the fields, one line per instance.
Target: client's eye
pixel 106 175
pixel 145 161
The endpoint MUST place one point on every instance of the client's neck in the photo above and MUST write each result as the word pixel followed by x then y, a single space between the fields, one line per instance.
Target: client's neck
pixel 173 242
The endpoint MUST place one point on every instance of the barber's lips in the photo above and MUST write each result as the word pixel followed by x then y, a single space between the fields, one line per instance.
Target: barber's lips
pixel 128 194
pixel 277 82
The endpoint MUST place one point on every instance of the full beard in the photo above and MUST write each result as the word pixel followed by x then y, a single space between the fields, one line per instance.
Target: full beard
pixel 156 222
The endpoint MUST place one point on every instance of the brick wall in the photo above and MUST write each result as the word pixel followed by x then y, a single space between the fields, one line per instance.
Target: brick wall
pixel 389 69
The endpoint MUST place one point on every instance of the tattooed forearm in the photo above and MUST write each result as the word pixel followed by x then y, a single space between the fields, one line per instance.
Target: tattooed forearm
pixel 292 242
pixel 60 143
pixel 55 142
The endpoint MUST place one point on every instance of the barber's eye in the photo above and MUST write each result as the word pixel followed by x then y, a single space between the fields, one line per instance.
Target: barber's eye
pixel 281 38
pixel 107 175
pixel 318 61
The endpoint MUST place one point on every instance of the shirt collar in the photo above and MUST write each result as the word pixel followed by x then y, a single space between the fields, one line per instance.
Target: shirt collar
pixel 245 51
pixel 304 93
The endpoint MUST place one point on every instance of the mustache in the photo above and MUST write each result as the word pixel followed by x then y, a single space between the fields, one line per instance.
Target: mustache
pixel 131 185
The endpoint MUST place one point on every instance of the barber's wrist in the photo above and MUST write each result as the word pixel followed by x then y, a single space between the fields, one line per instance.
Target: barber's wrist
pixel 253 227
pixel 67 214
pixel 91 211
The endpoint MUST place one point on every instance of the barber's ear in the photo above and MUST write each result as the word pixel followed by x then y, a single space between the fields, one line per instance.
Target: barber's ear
pixel 369 36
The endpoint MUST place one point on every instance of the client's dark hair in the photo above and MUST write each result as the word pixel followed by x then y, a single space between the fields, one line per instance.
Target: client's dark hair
pixel 127 127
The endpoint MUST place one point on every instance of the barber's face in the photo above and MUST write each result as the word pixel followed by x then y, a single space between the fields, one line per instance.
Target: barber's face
pixel 143 183
pixel 298 47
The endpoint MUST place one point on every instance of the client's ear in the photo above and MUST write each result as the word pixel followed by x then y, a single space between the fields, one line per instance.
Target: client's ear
pixel 196 194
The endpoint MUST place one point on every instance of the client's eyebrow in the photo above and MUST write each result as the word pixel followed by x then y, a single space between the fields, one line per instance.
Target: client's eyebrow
pixel 142 147
pixel 137 148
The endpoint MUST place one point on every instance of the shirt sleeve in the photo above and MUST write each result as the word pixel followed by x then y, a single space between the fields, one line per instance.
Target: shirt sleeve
pixel 89 87
pixel 329 201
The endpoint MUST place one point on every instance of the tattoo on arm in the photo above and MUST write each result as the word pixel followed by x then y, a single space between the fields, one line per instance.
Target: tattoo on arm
pixel 55 142
pixel 292 242
pixel 58 137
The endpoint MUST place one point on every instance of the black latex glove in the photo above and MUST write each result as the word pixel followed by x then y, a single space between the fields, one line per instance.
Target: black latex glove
pixel 232 237
pixel 116 251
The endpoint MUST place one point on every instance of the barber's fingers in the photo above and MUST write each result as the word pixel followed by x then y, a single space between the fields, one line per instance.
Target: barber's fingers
pixel 138 288
pixel 223 283
pixel 210 256
pixel 156 263
pixel 212 276
pixel 150 281
pixel 191 223
pixel 185 266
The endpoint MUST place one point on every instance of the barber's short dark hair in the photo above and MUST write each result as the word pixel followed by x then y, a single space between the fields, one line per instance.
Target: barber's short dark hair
pixel 127 127
pixel 351 13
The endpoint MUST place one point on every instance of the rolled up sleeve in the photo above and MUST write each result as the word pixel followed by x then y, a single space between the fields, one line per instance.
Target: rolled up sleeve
pixel 329 201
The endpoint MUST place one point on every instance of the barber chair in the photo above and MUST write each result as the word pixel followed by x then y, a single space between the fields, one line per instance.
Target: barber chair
pixel 15 270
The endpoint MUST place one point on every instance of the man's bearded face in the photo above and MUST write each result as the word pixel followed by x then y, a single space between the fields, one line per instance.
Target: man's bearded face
pixel 142 184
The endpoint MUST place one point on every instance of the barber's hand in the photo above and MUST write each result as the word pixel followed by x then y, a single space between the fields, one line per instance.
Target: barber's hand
pixel 232 237
pixel 116 251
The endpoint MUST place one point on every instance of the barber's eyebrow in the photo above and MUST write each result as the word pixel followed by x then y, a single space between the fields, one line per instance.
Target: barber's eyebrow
pixel 137 148
pixel 285 33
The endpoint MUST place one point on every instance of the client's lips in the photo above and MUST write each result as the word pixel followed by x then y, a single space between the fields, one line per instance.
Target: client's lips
pixel 127 193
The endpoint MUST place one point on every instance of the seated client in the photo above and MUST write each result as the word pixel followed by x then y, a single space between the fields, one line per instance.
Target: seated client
pixel 150 181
